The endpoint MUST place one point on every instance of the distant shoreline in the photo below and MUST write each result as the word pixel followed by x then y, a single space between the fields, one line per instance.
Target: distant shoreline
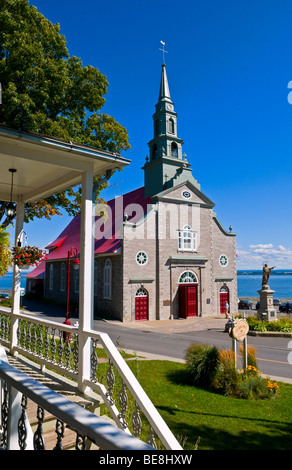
pixel 258 272
pixel 249 281
pixel 6 291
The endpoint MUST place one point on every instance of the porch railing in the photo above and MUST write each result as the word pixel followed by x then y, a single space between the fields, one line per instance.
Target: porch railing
pixel 56 345
pixel 16 388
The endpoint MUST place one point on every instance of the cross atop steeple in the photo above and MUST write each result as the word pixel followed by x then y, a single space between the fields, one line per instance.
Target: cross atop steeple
pixel 163 50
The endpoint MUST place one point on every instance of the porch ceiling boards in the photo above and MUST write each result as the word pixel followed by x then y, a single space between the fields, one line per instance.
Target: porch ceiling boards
pixel 46 165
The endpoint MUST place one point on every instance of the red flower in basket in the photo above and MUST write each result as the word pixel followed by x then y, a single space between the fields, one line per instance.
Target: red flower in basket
pixel 27 255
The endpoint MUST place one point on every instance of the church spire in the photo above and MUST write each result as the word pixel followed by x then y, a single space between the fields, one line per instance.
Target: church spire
pixel 164 88
pixel 166 165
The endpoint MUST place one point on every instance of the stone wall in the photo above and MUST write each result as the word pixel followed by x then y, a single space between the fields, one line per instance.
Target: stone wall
pixel 156 235
pixel 166 262
pixel 57 291
pixel 136 239
pixel 113 306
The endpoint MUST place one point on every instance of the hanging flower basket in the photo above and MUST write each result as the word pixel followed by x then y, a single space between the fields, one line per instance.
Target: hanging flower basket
pixel 27 256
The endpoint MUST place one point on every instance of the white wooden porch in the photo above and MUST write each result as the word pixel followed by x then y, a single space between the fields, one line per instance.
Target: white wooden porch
pixel 45 166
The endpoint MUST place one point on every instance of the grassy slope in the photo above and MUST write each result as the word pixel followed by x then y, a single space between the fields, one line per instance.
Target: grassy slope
pixel 220 422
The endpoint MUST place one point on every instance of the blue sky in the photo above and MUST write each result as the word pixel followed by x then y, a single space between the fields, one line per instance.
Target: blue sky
pixel 228 65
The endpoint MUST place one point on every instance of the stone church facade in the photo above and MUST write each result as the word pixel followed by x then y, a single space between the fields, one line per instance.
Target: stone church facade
pixel 160 252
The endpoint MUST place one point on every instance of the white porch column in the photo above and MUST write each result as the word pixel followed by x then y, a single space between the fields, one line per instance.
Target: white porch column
pixel 86 278
pixel 16 277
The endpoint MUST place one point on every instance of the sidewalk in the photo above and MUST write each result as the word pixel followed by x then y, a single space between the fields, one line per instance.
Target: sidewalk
pixel 176 326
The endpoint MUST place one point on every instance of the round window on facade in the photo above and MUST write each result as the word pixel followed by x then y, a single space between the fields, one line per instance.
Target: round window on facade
pixel 141 257
pixel 186 194
pixel 223 260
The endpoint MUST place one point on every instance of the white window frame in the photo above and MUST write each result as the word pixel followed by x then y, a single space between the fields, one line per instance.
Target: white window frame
pixel 187 239
pixel 224 290
pixel 188 277
pixel 141 292
pixel 107 280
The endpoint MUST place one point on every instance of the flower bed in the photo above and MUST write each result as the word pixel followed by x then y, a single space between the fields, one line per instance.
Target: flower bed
pixel 214 370
pixel 283 325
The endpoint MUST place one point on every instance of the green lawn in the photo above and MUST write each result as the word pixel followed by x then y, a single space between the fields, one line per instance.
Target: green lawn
pixel 221 423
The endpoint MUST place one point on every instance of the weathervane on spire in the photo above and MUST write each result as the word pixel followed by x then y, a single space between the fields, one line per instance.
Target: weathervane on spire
pixel 163 51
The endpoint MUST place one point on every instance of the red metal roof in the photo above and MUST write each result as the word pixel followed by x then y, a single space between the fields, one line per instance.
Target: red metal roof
pixel 107 235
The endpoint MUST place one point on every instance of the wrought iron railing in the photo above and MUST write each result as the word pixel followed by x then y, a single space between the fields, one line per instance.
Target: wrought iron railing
pixel 16 388
pixel 56 345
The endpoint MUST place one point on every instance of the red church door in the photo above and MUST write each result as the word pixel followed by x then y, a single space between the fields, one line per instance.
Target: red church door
pixel 188 304
pixel 141 305
pixel 224 297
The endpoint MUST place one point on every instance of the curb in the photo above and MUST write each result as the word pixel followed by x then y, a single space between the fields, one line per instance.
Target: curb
pixel 279 334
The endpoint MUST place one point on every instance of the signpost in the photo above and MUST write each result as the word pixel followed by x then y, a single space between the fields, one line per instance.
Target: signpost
pixel 238 332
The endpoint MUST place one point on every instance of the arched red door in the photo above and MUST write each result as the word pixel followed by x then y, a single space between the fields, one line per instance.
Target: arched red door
pixel 224 298
pixel 141 305
pixel 188 300
pixel 188 294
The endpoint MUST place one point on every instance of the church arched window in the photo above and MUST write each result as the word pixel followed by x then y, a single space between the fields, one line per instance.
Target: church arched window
pixel 141 292
pixel 171 126
pixel 76 281
pixel 173 149
pixel 154 151
pixel 188 277
pixel 107 280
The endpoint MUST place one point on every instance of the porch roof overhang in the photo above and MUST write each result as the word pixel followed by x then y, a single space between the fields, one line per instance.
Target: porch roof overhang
pixel 47 165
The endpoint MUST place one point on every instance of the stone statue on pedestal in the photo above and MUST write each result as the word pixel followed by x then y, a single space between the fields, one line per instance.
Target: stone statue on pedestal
pixel 266 274
pixel 267 310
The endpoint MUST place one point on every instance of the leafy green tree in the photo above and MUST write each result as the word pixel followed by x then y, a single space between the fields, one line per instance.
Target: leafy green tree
pixel 47 91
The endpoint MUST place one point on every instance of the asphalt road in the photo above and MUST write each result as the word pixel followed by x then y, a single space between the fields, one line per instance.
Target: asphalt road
pixel 271 352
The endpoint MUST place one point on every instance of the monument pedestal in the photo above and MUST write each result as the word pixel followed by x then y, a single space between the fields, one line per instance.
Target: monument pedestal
pixel 267 310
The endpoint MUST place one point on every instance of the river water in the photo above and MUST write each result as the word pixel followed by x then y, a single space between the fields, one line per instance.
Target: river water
pixel 248 283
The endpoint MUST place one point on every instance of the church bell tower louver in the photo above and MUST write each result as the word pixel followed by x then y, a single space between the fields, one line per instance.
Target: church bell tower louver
pixel 166 165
